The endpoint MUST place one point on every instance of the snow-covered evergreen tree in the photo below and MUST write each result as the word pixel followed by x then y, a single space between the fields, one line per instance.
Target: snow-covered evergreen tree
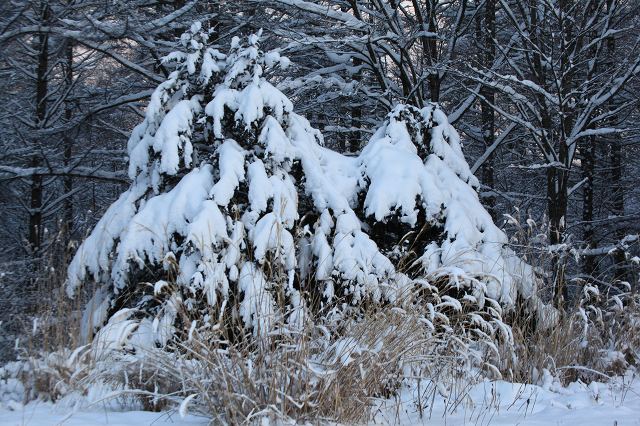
pixel 237 210
pixel 422 207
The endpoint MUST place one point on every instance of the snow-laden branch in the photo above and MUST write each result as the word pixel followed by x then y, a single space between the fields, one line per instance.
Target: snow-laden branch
pixel 346 19
pixel 77 172
pixel 487 153
pixel 607 250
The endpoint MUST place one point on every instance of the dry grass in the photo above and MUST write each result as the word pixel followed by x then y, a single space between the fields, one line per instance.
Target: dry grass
pixel 334 371
pixel 325 371
pixel 48 365
pixel 597 333
pixel 308 375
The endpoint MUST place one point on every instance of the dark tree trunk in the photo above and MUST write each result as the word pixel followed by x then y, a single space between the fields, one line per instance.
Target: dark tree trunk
pixel 617 205
pixel 356 116
pixel 588 167
pixel 488 98
pixel 557 179
pixel 617 171
pixel 588 163
pixel 557 175
pixel 431 50
pixel 35 211
pixel 67 182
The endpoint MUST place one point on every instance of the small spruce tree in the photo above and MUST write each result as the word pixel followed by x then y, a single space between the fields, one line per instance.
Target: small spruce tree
pixel 237 210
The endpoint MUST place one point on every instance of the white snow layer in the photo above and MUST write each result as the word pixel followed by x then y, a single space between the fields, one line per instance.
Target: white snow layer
pixel 236 208
pixel 486 403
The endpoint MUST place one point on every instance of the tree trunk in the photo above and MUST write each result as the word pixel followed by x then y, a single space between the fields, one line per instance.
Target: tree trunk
pixel 430 48
pixel 67 181
pixel 588 162
pixel 617 206
pixel 588 236
pixel 35 211
pixel 356 116
pixel 617 171
pixel 488 98
pixel 557 174
pixel 557 179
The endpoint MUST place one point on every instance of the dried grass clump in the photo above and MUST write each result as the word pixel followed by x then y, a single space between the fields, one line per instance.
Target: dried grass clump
pixel 333 368
pixel 312 374
pixel 337 364
pixel 594 335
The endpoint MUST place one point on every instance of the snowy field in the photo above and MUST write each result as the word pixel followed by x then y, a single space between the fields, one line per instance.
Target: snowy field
pixel 488 403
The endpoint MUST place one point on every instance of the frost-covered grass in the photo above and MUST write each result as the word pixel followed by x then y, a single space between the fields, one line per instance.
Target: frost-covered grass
pixel 429 358
pixel 327 369
pixel 387 365
pixel 485 403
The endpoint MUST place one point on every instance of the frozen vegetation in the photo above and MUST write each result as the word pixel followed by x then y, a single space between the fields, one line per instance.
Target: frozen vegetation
pixel 233 192
pixel 250 274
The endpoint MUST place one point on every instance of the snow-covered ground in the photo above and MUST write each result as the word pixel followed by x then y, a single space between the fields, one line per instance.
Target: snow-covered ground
pixel 487 403
pixel 504 403
pixel 45 414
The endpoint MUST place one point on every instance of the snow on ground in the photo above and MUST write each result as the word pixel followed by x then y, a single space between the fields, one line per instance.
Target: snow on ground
pixel 504 403
pixel 46 414
pixel 487 403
